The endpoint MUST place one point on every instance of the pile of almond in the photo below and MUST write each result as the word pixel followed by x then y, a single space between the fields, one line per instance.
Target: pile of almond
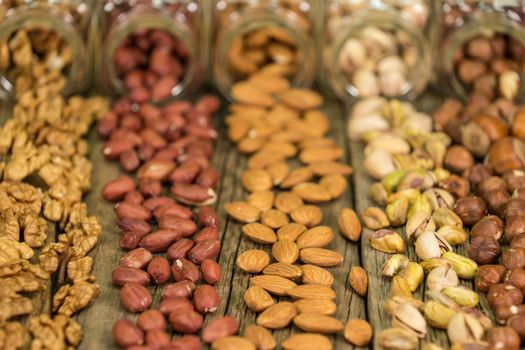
pixel 276 124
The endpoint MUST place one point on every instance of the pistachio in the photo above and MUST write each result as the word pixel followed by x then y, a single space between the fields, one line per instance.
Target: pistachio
pixel 464 267
pixel 419 222
pixel 408 317
pixel 432 346
pixel 442 277
pixel 439 198
pixel 441 173
pixel 471 345
pixel 454 235
pixel 464 328
pixel 416 179
pixel 387 241
pixel 394 264
pixel 393 302
pixel 427 246
pixel 462 296
pixel 430 264
pixel 398 339
pixel 413 274
pixel 421 204
pixel 397 212
pixel 446 217
pixel 438 315
pixel 400 287
pixel 379 163
pixel 374 218
pixel 409 194
pixel 391 181
pixel 378 193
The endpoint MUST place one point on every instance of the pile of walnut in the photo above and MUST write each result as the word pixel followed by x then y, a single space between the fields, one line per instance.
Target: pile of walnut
pixel 43 143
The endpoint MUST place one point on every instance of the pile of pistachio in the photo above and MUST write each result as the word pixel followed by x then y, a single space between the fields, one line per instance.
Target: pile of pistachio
pixel 406 157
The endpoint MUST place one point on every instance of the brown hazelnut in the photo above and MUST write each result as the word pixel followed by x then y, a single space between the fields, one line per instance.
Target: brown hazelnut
pixel 480 48
pixel 516 277
pixel 514 227
pixel 490 225
pixel 518 124
pixel 513 207
pixel 513 257
pixel 469 70
pixel 519 193
pixel 518 242
pixel 496 200
pixel 470 209
pixel 506 154
pixel 489 275
pixel 458 186
pixel 503 313
pixel 518 323
pixel 484 250
pixel 503 338
pixel 494 127
pixel 504 294
pixel 515 179
pixel 477 173
pixel 490 184
pixel 474 138
pixel 458 159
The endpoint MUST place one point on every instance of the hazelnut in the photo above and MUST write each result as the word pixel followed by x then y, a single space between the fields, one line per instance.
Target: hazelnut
pixel 478 173
pixel 516 277
pixel 470 70
pixel 519 193
pixel 506 154
pixel 484 250
pixel 458 159
pixel 470 209
pixel 504 338
pixel 514 227
pixel 503 313
pixel 480 48
pixel 474 138
pixel 490 226
pixel 494 127
pixel 496 200
pixel 490 184
pixel 518 242
pixel 513 257
pixel 515 180
pixel 513 207
pixel 458 186
pixel 504 294
pixel 518 323
pixel 489 275
pixel 518 124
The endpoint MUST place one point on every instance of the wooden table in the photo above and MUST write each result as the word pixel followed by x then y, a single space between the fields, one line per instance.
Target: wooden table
pixel 98 318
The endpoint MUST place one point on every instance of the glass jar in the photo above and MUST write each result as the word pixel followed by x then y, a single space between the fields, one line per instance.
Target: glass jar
pixel 265 35
pixel 152 49
pixel 39 37
pixel 378 47
pixel 481 46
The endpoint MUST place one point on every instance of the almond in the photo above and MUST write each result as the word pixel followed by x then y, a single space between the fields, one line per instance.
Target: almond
pixel 259 233
pixel 289 135
pixel 260 337
pixel 256 180
pixel 317 142
pixel 277 316
pixel 290 231
pixel 253 260
pixel 349 224
pixel 311 291
pixel 320 257
pixel 283 147
pixel 312 192
pixel 285 251
pixel 330 168
pixel 296 176
pixel 308 215
pixel 288 202
pixel 247 93
pixel 274 218
pixel 262 159
pixel 316 237
pixel 257 299
pixel 278 171
pixel 250 144
pixel 232 343
pixel 272 84
pixel 358 332
pixel 273 284
pixel 242 211
pixel 318 323
pixel 316 275
pixel 320 154
pixel 335 184
pixel 261 200
pixel 282 269
pixel 358 280
pixel 307 341
pixel 237 130
pixel 318 306
pixel 302 99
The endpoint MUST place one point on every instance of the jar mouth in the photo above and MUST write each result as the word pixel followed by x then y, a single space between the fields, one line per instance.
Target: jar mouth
pixel 417 77
pixel 61 23
pixel 493 23
pixel 256 21
pixel 136 22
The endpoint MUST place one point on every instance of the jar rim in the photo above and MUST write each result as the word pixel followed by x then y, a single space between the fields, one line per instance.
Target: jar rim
pixel 486 21
pixel 381 18
pixel 38 16
pixel 257 19
pixel 135 21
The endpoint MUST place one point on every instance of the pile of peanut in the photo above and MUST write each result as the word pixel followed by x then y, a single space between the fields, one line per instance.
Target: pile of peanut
pixel 44 173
